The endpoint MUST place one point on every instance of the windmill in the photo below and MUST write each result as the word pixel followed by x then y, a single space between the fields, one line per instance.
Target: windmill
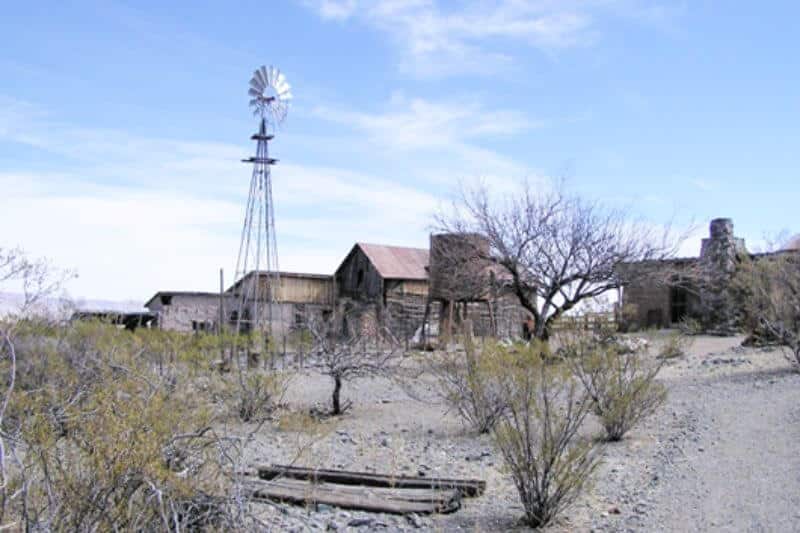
pixel 270 95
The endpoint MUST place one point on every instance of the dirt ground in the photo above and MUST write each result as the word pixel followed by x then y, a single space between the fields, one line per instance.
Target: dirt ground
pixel 719 455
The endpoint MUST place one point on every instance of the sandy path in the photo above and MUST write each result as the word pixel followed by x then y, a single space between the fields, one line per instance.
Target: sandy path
pixel 720 455
pixel 740 470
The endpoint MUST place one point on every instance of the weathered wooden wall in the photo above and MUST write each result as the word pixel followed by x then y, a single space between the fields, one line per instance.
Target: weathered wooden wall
pixel 303 289
pixel 357 278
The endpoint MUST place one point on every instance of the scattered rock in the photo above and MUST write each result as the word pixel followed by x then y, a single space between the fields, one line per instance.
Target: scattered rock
pixel 360 522
pixel 414 520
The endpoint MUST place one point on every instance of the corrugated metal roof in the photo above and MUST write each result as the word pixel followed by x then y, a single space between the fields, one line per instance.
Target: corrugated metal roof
pixel 397 262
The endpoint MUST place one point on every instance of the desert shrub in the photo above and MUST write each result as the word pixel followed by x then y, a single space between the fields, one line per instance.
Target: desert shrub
pixel 300 341
pixel 107 432
pixel 619 382
pixel 255 395
pixel 768 293
pixel 538 437
pixel 674 346
pixel 468 382
pixel 690 326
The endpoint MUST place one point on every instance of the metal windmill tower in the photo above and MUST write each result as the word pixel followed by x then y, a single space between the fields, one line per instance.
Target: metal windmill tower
pixel 258 250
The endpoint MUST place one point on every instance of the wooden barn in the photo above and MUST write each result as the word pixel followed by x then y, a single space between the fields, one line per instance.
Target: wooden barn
pixel 302 297
pixel 382 285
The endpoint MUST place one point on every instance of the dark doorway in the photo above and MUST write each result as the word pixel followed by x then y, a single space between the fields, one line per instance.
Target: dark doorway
pixel 678 297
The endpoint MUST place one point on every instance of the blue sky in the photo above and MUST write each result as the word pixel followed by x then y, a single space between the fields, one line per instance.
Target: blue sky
pixel 122 124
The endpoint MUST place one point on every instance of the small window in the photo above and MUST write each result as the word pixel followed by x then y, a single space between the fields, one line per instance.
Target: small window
pixel 166 299
pixel 360 277
pixel 201 325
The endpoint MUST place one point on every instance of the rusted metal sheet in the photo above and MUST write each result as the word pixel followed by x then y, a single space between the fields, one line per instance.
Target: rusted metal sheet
pixel 397 262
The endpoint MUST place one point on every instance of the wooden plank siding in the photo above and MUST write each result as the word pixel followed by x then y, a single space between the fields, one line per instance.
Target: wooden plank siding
pixel 357 277
pixel 586 321
pixel 304 290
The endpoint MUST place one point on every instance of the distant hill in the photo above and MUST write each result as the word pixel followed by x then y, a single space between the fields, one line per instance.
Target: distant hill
pixel 10 303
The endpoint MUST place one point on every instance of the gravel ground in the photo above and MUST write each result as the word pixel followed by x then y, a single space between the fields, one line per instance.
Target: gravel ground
pixel 720 455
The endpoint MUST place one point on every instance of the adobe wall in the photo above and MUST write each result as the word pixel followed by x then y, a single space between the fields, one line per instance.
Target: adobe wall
pixel 185 313
pixel 645 305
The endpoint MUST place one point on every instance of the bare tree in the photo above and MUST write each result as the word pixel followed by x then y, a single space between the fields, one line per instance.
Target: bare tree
pixel 36 279
pixel 768 289
pixel 352 356
pixel 556 249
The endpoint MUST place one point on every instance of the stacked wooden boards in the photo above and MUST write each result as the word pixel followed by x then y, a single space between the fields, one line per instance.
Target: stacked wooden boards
pixel 364 491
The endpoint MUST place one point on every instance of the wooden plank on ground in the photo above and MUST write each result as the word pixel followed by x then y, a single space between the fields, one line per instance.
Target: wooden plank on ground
pixel 370 499
pixel 466 487
pixel 411 495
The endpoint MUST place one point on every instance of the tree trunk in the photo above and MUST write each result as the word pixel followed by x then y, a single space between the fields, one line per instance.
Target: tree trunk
pixel 337 389
pixel 541 329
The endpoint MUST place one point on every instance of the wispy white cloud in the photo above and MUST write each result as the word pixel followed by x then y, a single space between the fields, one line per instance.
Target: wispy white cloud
pixel 468 36
pixel 135 214
pixel 336 9
pixel 447 139
pixel 421 124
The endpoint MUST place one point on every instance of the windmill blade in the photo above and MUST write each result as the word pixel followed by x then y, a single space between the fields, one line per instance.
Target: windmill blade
pixel 269 81
pixel 256 84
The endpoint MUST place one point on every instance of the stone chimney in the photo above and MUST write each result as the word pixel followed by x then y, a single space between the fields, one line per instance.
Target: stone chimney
pixel 718 259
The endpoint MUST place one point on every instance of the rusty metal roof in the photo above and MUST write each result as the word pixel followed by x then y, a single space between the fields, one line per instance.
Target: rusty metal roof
pixel 397 262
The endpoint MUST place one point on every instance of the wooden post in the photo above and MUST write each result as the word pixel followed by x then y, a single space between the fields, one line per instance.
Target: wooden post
pixel 425 317
pixel 221 324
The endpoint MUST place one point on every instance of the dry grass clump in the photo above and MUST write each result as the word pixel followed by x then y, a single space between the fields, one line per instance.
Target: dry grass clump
pixel 538 437
pixel 109 431
pixel 620 383
pixel 253 395
pixel 676 345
